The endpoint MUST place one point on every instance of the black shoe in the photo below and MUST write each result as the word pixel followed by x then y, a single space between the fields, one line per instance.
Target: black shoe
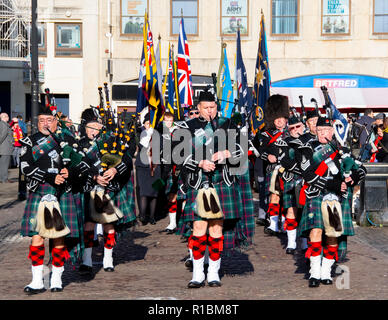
pixel 270 231
pixel 327 281
pixel 31 291
pixel 261 222
pixel 189 264
pixel 195 284
pixel 56 289
pixel 313 283
pixel 290 251
pixel 109 269
pixel 85 270
pixel 152 221
pixel 171 231
pixel 214 284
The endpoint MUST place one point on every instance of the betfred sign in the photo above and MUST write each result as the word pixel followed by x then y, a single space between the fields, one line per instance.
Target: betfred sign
pixel 336 83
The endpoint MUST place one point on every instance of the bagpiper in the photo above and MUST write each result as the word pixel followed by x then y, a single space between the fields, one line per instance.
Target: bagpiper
pixel 268 145
pixel 213 194
pixel 52 211
pixel 329 174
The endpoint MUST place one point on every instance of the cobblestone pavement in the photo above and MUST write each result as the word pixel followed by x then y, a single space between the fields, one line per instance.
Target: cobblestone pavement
pixel 149 266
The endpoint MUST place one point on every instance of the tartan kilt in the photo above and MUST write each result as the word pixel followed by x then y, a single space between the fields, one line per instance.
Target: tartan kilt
pixel 230 199
pixel 312 216
pixel 71 206
pixel 244 230
pixel 289 196
pixel 125 201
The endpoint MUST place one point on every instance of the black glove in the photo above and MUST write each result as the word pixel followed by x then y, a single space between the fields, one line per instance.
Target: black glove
pixel 334 185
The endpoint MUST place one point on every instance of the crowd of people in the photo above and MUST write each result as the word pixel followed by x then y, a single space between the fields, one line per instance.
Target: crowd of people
pixel 209 166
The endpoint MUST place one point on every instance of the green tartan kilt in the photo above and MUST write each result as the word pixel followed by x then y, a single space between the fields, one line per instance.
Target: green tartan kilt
pixel 289 197
pixel 125 201
pixel 71 206
pixel 312 216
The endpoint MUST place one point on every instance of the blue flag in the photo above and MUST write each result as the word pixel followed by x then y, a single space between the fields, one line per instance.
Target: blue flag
pixel 340 124
pixel 227 102
pixel 244 97
pixel 262 81
pixel 141 99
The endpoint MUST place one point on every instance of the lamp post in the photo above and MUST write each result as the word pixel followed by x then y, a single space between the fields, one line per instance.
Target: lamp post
pixel 34 67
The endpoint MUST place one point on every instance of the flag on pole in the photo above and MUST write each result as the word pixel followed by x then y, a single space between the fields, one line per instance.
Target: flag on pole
pixel 159 66
pixel 241 82
pixel 262 81
pixel 141 102
pixel 220 70
pixel 151 89
pixel 170 81
pixel 184 69
pixel 227 102
pixel 340 124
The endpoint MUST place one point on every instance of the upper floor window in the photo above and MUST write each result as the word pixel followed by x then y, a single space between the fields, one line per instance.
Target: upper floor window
pixel 188 9
pixel 132 16
pixel 335 17
pixel 234 15
pixel 68 39
pixel 285 16
pixel 42 47
pixel 380 18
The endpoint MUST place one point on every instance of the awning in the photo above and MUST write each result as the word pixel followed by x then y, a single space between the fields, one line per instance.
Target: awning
pixel 347 91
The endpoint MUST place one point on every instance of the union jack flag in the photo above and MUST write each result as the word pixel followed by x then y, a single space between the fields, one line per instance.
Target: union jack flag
pixel 184 69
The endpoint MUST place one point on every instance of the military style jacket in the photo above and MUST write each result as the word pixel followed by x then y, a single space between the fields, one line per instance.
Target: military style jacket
pixel 207 138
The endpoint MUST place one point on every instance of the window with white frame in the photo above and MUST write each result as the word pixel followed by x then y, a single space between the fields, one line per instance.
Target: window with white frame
pixel 285 17
pixel 380 16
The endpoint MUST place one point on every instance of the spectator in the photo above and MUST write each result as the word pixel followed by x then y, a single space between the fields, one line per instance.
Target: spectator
pixel 17 135
pixel 382 131
pixel 6 147
pixel 366 120
pixel 22 125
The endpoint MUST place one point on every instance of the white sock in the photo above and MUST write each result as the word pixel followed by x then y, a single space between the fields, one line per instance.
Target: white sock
pixel 108 258
pixel 87 257
pixel 212 271
pixel 99 230
pixel 326 268
pixel 315 267
pixel 56 277
pixel 291 236
pixel 274 223
pixel 37 277
pixel 172 225
pixel 198 274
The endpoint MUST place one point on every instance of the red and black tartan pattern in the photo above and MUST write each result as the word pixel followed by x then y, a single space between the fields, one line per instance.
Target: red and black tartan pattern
pixel 89 239
pixel 59 256
pixel 314 249
pixel 290 224
pixel 215 247
pixel 172 207
pixel 36 255
pixel 109 240
pixel 198 245
pixel 330 252
pixel 273 209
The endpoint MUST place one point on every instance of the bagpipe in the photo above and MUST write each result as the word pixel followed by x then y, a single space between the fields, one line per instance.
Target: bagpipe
pixel 113 143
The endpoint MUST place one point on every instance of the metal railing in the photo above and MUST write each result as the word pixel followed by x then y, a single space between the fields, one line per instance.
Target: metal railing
pixel 15 20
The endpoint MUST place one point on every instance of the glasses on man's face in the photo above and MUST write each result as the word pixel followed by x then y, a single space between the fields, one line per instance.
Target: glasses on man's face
pixel 295 127
pixel 48 120
pixel 194 112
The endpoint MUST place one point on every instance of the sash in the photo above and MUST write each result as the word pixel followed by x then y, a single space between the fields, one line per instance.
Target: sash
pixel 44 148
pixel 320 171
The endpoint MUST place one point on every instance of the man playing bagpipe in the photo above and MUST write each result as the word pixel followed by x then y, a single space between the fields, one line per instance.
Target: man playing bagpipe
pixel 110 200
pixel 329 174
pixel 213 197
pixel 292 179
pixel 268 144
pixel 311 123
pixel 52 210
